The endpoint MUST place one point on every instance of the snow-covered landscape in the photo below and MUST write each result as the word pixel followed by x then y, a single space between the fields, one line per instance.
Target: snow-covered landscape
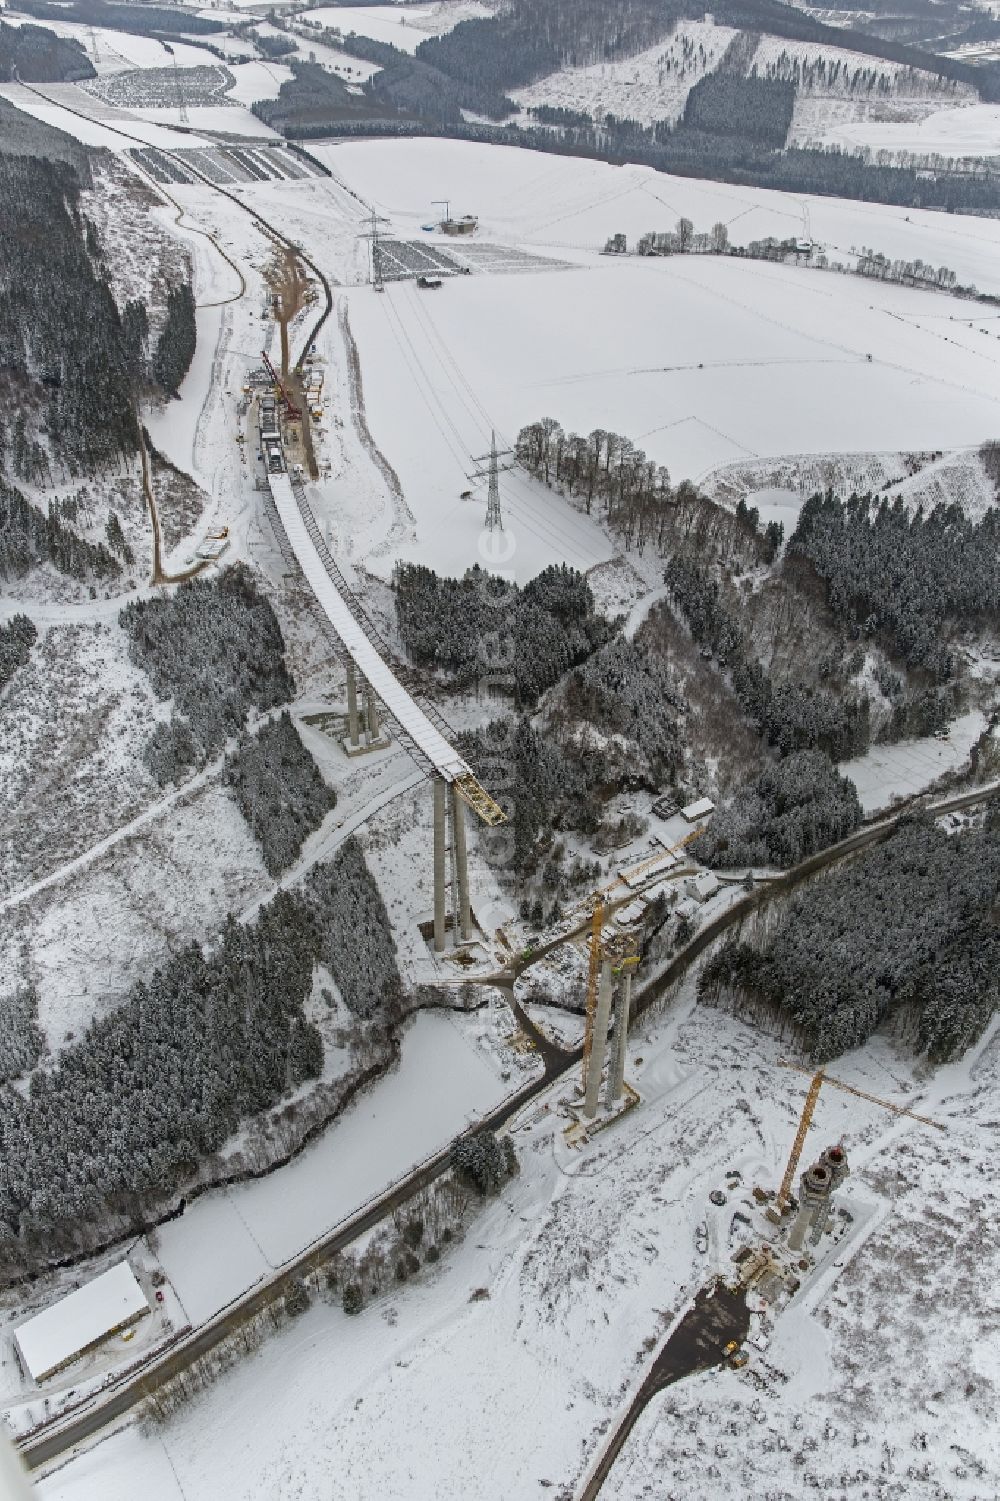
pixel 359 844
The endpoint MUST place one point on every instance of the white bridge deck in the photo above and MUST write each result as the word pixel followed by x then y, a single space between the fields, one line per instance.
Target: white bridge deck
pixel 374 669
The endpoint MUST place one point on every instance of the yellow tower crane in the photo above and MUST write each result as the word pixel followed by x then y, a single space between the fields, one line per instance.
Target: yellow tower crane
pixel 812 1095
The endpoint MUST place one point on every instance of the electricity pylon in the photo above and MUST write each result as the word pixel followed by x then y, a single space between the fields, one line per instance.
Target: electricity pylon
pixel 181 101
pixel 494 521
pixel 375 221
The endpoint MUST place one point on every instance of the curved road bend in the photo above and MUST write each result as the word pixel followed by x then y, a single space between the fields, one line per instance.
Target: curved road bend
pixel 185 166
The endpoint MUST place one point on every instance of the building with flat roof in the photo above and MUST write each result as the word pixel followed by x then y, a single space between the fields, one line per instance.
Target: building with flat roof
pixel 699 809
pixel 63 1332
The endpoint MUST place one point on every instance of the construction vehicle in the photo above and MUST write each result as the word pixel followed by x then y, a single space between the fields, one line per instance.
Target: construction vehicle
pixel 812 1095
pixel 292 412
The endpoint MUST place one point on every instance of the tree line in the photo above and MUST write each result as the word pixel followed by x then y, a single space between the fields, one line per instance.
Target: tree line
pixel 908 923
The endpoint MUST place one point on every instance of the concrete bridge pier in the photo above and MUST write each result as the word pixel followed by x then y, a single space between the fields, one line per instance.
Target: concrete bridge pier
pixel 450 849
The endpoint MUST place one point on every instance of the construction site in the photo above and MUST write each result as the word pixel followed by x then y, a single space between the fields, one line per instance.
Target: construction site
pixel 740 1276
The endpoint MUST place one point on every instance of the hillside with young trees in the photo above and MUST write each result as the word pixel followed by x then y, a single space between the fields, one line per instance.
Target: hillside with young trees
pixel 909 924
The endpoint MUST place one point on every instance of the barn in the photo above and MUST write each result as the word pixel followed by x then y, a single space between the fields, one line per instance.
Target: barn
pixel 79 1322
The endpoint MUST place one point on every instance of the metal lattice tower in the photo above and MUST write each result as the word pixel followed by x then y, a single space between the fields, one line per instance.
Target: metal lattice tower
pixel 494 520
pixel 181 101
pixel 377 279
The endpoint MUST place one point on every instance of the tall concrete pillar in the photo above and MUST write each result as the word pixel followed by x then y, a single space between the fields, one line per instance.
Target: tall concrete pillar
pixel 814 1205
pixel 352 703
pixel 461 866
pixel 599 1044
pixel 371 715
pixel 440 789
pixel 616 1071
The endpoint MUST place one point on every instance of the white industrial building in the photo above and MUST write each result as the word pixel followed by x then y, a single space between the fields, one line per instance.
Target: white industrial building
pixel 63 1332
pixel 697 810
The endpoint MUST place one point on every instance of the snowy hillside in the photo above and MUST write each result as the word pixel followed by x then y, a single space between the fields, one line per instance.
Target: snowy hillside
pixel 651 86
pixel 834 86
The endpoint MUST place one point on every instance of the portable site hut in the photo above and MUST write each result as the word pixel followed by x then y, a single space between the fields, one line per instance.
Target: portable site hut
pixel 76 1324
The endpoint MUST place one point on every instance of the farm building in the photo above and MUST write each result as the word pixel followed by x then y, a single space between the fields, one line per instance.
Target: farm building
pixel 62 1333
pixel 702 886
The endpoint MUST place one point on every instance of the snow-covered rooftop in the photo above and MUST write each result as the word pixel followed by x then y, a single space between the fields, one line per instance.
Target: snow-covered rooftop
pixel 76 1322
pixel 698 809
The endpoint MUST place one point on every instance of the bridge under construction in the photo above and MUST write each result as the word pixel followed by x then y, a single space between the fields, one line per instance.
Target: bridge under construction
pixel 419 727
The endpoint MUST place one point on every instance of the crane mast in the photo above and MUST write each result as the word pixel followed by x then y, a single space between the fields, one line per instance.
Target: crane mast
pixel 805 1120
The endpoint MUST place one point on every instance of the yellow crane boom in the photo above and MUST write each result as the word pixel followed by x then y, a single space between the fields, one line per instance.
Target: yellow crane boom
pixel 805 1120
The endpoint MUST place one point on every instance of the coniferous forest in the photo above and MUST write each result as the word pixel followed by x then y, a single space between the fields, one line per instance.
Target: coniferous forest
pixel 909 923
pixel 33 54
pixel 795 807
pixel 278 789
pixel 65 364
pixel 551 625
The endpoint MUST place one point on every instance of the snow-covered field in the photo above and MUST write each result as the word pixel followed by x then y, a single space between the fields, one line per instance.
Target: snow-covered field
pixel 889 771
pixel 972 131
pixel 702 361
pixel 565 203
pixel 402 26
pixel 226 1242
pixel 98 129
